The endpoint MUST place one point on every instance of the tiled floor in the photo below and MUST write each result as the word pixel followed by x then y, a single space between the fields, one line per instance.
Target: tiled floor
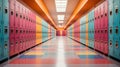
pixel 61 52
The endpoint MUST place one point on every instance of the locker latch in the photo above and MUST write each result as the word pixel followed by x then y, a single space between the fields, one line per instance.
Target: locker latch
pixel 11 31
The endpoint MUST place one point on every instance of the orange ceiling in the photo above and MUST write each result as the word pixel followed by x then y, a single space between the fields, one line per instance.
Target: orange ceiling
pixel 82 7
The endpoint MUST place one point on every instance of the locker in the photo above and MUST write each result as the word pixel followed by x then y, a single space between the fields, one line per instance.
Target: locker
pixel 21 16
pixel 16 14
pixel 116 13
pixel 106 14
pixel 12 13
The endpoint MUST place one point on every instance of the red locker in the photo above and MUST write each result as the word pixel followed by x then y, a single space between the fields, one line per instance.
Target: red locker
pixel 106 15
pixel 12 13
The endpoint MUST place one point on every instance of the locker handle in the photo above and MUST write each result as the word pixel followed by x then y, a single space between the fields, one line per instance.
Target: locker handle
pixel 105 14
pixel 105 31
pixel 116 10
pixel 116 30
pixel 110 12
pixel 110 31
pixel 11 12
pixel 16 31
pixel 6 10
pixel 6 31
pixel 20 31
pixel 11 31
pixel 11 44
pixel 20 16
pixel 24 17
pixel 16 14
pixel 101 15
pixel 116 44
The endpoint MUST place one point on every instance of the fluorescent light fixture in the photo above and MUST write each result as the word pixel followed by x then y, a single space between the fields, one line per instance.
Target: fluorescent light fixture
pixel 60 26
pixel 60 21
pixel 61 17
pixel 61 5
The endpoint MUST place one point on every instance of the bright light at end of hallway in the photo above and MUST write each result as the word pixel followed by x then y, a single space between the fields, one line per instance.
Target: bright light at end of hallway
pixel 61 54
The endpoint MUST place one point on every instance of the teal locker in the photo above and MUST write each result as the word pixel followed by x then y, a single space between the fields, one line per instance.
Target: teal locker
pixel 111 46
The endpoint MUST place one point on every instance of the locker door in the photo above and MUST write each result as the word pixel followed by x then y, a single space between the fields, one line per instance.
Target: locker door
pixel 5 31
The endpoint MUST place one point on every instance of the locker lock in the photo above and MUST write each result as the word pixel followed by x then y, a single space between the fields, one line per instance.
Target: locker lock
pixel 11 12
pixel 110 42
pixel 116 44
pixel 116 10
pixel 116 30
pixel 6 10
pixel 6 31
pixel 110 12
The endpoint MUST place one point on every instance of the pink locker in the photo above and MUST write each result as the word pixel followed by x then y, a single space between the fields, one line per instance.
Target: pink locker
pixel 106 14
pixel 12 13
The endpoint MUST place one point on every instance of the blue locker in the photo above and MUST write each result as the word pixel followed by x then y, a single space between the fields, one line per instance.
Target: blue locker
pixel 1 29
pixel 5 31
pixel 111 46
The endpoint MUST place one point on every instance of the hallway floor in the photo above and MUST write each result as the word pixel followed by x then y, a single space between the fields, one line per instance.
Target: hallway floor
pixel 61 52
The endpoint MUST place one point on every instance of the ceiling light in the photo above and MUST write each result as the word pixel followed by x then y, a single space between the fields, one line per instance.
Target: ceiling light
pixel 60 21
pixel 61 5
pixel 61 17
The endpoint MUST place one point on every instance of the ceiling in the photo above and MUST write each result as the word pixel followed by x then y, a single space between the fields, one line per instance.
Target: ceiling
pixel 71 5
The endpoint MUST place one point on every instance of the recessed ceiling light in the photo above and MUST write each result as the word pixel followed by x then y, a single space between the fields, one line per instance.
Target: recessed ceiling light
pixel 61 5
pixel 61 17
pixel 60 21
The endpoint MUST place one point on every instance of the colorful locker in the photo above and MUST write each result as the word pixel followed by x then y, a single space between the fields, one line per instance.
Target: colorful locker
pixel 5 31
pixel 116 32
pixel 105 31
pixel 111 46
pixel 12 29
